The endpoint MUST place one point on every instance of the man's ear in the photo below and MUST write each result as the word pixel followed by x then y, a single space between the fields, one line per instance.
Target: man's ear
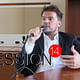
pixel 59 23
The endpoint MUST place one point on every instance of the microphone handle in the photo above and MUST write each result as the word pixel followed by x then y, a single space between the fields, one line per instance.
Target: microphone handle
pixel 32 35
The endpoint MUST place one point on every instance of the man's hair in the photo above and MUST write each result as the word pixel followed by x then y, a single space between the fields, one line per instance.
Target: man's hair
pixel 53 8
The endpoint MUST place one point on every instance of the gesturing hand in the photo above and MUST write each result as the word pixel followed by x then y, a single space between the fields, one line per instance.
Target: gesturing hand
pixel 72 61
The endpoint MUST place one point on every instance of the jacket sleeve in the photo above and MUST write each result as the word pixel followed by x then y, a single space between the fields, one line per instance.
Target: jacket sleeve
pixel 31 61
pixel 76 43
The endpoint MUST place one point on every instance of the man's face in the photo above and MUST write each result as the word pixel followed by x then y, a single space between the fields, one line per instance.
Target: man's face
pixel 50 20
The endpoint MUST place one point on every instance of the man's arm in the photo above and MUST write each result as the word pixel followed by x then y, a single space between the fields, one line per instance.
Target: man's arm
pixel 31 61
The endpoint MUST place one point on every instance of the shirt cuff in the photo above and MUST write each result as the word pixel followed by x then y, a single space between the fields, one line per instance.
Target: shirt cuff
pixel 29 47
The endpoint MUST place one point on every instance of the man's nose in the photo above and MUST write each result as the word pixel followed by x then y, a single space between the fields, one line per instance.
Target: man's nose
pixel 46 20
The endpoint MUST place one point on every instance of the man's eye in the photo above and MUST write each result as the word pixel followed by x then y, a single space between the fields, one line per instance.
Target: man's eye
pixel 43 18
pixel 50 18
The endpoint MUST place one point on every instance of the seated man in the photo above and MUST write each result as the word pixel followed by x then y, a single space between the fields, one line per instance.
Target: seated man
pixel 36 47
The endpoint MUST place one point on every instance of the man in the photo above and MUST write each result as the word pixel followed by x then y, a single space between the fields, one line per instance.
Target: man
pixel 37 46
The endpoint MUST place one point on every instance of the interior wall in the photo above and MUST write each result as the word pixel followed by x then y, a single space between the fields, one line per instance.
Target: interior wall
pixel 33 15
pixel 61 5
pixel 32 18
pixel 12 20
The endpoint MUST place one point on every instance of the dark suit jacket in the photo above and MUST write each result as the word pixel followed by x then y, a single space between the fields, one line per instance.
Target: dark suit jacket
pixel 65 41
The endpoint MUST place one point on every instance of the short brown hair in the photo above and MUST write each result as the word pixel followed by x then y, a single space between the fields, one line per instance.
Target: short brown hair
pixel 54 9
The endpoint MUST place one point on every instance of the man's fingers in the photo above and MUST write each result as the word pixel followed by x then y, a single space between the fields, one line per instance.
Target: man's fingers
pixel 68 64
pixel 74 67
pixel 73 50
pixel 36 31
pixel 67 56
pixel 67 61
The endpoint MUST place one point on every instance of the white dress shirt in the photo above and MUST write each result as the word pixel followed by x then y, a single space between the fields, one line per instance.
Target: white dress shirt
pixel 55 62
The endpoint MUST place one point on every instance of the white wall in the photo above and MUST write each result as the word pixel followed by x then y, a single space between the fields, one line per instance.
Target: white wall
pixel 33 18
pixel 61 5
pixel 12 20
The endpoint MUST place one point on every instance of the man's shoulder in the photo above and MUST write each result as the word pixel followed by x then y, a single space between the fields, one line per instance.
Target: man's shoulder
pixel 66 35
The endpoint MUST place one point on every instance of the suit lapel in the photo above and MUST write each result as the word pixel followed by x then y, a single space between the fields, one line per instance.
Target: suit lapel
pixel 61 42
pixel 41 44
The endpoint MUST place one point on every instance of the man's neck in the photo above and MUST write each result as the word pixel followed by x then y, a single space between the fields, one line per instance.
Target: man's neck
pixel 51 36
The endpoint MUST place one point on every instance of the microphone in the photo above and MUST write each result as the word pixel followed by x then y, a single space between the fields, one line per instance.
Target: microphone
pixel 32 35
pixel 43 27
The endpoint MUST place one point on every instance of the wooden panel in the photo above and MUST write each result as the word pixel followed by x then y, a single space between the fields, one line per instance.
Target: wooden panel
pixel 74 17
pixel 7 66
pixel 36 3
pixel 66 16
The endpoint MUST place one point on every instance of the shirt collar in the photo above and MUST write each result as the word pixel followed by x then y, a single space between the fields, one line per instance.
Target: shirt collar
pixel 55 37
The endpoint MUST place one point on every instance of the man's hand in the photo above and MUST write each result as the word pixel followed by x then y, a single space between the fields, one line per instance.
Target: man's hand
pixel 72 61
pixel 37 33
